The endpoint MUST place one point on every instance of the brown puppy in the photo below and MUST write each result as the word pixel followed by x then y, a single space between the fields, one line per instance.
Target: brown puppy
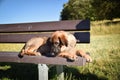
pixel 67 43
pixel 60 43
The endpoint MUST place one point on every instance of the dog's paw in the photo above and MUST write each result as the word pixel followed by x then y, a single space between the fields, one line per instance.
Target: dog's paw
pixel 37 54
pixel 72 58
pixel 88 58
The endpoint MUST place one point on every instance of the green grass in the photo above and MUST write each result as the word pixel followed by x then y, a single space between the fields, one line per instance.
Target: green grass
pixel 11 47
pixel 104 49
pixel 105 52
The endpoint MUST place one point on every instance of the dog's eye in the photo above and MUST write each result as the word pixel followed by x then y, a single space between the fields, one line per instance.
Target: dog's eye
pixel 56 43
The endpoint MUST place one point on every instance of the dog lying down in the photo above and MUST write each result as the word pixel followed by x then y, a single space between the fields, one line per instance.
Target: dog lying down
pixel 60 43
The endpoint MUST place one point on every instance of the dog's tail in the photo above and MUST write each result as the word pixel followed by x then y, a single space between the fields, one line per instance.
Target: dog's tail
pixel 21 53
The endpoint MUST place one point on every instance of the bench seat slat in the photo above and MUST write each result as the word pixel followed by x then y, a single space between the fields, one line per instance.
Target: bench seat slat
pixel 82 37
pixel 12 57
pixel 46 26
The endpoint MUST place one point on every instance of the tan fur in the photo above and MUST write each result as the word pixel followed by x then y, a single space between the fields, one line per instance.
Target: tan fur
pixel 32 46
pixel 68 47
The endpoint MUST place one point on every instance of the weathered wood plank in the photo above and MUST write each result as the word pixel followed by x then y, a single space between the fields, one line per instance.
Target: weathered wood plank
pixel 12 57
pixel 46 26
pixel 82 37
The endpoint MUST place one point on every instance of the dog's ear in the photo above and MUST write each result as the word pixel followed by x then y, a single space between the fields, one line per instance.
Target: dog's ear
pixel 63 40
pixel 53 38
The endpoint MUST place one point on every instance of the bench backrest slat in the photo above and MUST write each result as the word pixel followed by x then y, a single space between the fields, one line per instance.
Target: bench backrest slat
pixel 46 26
pixel 82 37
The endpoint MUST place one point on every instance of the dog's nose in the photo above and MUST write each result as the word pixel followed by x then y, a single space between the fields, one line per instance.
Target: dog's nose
pixel 52 54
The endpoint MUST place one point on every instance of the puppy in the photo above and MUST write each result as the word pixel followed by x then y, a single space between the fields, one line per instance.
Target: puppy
pixel 67 42
pixel 60 43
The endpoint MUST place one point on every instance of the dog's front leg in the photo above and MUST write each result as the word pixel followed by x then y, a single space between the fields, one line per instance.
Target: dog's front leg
pixel 83 54
pixel 69 56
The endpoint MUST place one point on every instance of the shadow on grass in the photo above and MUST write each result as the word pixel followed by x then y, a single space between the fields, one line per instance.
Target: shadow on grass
pixel 19 71
pixel 112 22
pixel 79 76
pixel 74 74
pixel 109 23
pixel 30 72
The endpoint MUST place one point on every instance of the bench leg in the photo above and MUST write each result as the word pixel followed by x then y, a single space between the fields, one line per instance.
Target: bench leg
pixel 42 72
pixel 60 72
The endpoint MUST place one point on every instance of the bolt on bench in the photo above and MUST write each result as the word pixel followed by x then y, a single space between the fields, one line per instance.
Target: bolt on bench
pixel 22 32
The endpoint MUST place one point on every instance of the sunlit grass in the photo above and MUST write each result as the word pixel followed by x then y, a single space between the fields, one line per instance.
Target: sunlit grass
pixel 104 48
pixel 11 47
pixel 103 29
pixel 6 67
pixel 105 51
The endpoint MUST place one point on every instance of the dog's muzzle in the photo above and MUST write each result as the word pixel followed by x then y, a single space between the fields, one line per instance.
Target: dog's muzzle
pixel 55 50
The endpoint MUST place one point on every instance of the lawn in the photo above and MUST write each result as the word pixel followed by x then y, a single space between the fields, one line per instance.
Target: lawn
pixel 104 49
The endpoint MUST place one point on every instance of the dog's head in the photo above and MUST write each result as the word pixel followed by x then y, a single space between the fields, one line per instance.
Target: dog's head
pixel 58 39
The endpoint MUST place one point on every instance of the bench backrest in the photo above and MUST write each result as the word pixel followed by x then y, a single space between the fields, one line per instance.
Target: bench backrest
pixel 20 33
pixel 15 33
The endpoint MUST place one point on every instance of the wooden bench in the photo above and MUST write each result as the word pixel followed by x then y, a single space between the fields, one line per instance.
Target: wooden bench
pixel 20 33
